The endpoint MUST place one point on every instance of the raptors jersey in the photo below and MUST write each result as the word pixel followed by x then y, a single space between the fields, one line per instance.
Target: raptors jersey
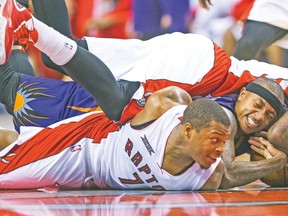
pixel 134 157
pixel 57 155
pixel 90 147
pixel 189 61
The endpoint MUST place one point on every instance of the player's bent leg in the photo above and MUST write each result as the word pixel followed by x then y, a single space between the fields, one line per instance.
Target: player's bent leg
pixel 253 42
pixel 9 81
pixel 112 96
pixel 54 13
pixel 20 62
pixel 84 67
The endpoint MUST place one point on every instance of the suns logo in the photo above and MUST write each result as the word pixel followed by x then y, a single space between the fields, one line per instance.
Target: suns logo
pixel 22 111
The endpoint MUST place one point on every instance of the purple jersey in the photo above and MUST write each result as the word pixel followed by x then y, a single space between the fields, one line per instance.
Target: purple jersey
pixel 42 102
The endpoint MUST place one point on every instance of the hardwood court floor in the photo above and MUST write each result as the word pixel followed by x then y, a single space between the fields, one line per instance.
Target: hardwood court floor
pixel 253 199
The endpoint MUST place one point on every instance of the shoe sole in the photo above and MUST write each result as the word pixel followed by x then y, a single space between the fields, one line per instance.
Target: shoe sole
pixel 3 24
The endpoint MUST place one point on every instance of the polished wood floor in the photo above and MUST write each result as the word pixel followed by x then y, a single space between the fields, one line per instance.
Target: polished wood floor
pixel 254 199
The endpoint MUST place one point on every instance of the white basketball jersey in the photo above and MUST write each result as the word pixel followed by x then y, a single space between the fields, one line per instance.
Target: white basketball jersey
pixel 132 158
pixel 92 149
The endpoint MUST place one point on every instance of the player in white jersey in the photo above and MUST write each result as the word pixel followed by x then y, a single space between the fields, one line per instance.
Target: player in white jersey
pixel 173 147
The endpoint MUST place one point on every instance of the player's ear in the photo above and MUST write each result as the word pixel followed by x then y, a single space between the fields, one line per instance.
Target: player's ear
pixel 242 93
pixel 188 130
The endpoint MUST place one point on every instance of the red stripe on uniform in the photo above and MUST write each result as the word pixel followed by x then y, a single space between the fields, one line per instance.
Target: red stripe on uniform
pixel 210 82
pixel 51 141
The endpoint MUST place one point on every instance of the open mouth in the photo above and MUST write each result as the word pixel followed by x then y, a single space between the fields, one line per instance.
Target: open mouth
pixel 250 122
pixel 212 159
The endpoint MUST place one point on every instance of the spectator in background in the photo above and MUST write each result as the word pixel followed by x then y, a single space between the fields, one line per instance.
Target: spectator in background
pixel 181 16
pixel 266 49
pixel 80 12
pixel 110 19
pixel 215 22
pixel 156 17
pixel 151 18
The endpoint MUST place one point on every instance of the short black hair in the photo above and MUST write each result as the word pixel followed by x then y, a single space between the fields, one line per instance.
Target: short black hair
pixel 201 112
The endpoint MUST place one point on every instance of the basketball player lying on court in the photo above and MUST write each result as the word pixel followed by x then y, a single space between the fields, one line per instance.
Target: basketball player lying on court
pixel 76 54
pixel 162 58
pixel 73 95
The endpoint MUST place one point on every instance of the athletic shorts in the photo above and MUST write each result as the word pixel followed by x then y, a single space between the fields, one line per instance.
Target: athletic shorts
pixel 42 102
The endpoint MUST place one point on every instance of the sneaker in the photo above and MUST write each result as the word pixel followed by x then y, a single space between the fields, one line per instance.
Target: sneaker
pixel 25 37
pixel 13 19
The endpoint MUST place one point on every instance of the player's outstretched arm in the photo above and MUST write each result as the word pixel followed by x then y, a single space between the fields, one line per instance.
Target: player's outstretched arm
pixel 160 101
pixel 238 173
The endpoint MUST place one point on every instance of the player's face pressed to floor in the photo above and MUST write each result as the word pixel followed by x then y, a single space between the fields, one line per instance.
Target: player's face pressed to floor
pixel 208 144
pixel 253 112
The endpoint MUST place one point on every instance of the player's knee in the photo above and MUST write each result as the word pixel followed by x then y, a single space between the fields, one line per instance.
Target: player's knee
pixel 114 115
pixel 246 49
